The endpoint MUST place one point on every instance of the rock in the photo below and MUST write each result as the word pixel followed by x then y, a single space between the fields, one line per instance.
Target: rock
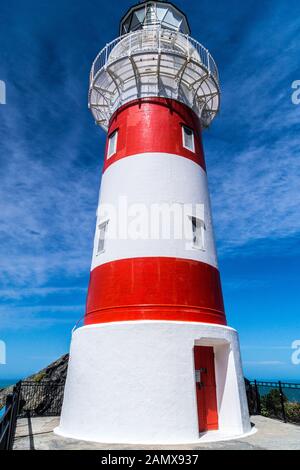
pixel 3 394
pixel 43 398
pixel 55 372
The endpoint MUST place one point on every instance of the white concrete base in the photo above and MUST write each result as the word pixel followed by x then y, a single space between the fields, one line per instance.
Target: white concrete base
pixel 217 436
pixel 134 382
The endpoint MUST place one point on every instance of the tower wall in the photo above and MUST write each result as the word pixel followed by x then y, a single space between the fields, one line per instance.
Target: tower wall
pixel 152 277
pixel 154 125
pixel 134 382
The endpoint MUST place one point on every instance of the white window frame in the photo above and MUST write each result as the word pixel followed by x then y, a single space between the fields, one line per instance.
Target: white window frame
pixel 191 149
pixel 198 233
pixel 112 149
pixel 102 229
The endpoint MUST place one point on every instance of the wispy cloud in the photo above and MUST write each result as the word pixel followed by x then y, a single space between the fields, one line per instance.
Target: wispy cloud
pixel 39 317
pixel 254 158
pixel 269 348
pixel 259 198
pixel 241 284
pixel 47 209
pixel 38 292
pixel 264 363
pixel 48 191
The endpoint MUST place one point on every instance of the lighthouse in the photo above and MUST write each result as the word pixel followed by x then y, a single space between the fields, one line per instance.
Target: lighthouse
pixel 155 361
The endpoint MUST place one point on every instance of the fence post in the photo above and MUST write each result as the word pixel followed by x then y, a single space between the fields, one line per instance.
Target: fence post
pixel 252 411
pixel 258 404
pixel 15 401
pixel 282 401
pixel 8 406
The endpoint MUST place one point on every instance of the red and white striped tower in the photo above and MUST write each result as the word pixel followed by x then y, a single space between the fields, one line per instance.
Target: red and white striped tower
pixel 155 361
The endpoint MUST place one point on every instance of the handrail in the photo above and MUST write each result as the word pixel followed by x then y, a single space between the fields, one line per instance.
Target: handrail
pixel 8 422
pixel 77 323
pixel 134 65
pixel 274 383
pixel 103 59
pixel 274 399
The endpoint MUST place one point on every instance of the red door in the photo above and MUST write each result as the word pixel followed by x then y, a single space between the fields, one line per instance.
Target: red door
pixel 206 388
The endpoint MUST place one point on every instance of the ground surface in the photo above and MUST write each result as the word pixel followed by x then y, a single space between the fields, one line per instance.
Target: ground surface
pixel 37 434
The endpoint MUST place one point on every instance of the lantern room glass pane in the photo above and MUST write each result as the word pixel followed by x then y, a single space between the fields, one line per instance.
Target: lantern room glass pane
pixel 172 19
pixel 184 27
pixel 155 14
pixel 138 18
pixel 135 23
pixel 161 12
pixel 126 25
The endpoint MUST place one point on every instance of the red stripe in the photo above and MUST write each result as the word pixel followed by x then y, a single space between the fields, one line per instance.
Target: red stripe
pixel 155 289
pixel 154 125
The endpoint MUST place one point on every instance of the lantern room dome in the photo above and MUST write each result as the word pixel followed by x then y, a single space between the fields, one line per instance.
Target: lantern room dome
pixel 153 14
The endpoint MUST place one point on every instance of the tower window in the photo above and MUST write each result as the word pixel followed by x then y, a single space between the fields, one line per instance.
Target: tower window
pixel 112 144
pixel 101 237
pixel 198 228
pixel 188 138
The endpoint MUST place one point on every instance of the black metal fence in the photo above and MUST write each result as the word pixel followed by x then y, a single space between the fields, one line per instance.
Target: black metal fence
pixel 9 419
pixel 41 399
pixel 277 400
pixel 29 399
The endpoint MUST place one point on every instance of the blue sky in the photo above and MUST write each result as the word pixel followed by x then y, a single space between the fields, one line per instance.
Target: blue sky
pixel 51 154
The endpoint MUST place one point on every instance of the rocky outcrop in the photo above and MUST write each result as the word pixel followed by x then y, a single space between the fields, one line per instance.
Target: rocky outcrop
pixel 55 373
pixel 3 394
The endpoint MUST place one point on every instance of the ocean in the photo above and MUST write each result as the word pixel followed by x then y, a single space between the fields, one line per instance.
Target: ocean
pixel 4 384
pixel 292 394
pixel 7 382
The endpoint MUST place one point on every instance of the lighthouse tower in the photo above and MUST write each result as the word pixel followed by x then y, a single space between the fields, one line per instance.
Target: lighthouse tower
pixel 155 361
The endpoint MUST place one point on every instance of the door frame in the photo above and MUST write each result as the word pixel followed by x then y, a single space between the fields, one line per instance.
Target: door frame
pixel 206 388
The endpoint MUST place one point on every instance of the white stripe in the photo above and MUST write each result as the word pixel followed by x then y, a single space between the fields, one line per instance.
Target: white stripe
pixel 147 179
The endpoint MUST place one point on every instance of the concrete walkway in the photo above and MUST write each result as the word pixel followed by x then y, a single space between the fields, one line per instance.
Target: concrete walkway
pixel 37 434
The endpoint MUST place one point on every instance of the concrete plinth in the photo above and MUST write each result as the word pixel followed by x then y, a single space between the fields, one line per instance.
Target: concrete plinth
pixel 134 382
